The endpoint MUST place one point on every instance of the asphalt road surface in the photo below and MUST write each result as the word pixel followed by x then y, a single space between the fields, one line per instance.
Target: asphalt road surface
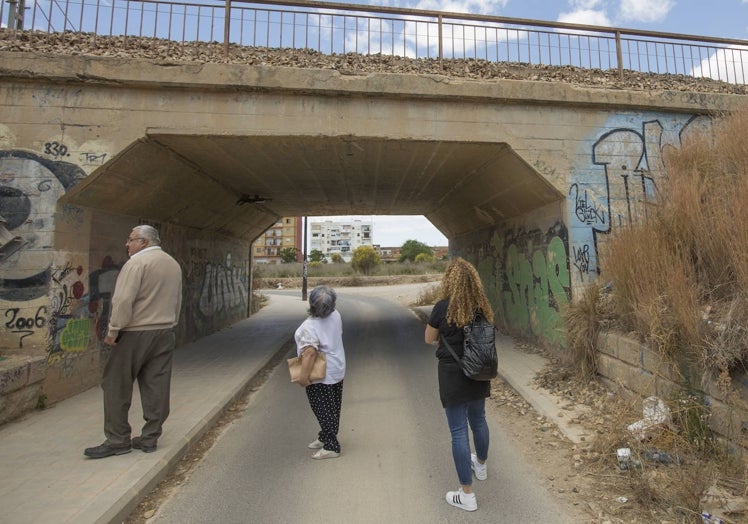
pixel 396 463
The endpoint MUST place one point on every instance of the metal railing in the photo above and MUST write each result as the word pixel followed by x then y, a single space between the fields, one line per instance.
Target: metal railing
pixel 335 28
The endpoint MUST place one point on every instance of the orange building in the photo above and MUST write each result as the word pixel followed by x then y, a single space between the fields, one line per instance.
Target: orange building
pixel 286 232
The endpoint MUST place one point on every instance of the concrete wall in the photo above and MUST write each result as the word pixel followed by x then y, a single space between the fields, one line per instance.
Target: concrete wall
pixel 90 250
pixel 524 264
pixel 609 173
pixel 56 288
pixel 65 116
pixel 625 363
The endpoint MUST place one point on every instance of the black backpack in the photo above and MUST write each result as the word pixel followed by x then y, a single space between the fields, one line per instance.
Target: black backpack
pixel 479 359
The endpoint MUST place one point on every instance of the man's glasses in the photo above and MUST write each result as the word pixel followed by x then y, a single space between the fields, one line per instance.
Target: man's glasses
pixel 134 239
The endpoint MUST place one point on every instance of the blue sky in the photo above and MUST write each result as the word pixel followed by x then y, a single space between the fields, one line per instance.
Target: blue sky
pixel 718 18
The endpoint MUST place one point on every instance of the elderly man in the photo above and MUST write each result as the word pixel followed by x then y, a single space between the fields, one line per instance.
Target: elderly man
pixel 145 309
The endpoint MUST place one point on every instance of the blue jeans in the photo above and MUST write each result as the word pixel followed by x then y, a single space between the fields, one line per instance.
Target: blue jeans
pixel 458 417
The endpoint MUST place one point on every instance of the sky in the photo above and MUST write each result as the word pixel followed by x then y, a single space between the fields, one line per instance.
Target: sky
pixel 717 18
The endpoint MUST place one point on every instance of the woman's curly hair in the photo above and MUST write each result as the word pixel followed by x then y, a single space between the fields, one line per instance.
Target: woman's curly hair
pixel 462 286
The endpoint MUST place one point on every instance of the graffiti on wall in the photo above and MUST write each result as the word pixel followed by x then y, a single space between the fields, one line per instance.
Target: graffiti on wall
pixel 101 288
pixel 618 184
pixel 224 289
pixel 30 186
pixel 24 325
pixel 527 279
pixel 75 310
pixel 537 283
pixel 69 326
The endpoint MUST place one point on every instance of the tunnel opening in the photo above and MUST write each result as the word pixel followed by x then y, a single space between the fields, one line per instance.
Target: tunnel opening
pixel 239 185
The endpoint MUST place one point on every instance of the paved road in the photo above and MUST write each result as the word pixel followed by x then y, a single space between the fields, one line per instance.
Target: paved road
pixel 396 463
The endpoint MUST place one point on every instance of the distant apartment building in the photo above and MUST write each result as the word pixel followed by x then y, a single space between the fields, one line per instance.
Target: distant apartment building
pixel 286 232
pixel 339 237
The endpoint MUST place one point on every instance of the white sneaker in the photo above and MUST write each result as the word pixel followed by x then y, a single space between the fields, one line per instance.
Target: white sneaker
pixel 325 454
pixel 315 445
pixel 462 500
pixel 480 470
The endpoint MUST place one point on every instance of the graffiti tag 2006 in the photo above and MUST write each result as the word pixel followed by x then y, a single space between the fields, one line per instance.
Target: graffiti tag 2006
pixel 25 326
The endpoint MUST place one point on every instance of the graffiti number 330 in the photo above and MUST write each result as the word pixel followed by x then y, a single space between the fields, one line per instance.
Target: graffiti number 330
pixel 55 149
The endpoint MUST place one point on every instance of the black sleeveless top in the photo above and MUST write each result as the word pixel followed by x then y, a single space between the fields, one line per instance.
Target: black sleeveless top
pixel 454 386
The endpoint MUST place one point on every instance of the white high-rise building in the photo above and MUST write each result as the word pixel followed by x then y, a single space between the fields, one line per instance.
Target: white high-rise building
pixel 339 237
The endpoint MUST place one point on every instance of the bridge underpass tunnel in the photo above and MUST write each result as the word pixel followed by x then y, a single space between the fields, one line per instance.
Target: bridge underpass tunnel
pixel 212 196
pixel 239 185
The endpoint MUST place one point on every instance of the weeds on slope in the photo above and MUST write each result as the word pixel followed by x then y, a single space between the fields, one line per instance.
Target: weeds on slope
pixel 677 279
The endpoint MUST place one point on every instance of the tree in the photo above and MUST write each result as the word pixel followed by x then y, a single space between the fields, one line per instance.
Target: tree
pixel 317 256
pixel 337 258
pixel 423 257
pixel 365 259
pixel 289 255
pixel 412 248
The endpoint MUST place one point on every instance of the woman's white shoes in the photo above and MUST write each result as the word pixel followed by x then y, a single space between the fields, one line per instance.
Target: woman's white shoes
pixel 325 454
pixel 480 470
pixel 462 500
pixel 321 453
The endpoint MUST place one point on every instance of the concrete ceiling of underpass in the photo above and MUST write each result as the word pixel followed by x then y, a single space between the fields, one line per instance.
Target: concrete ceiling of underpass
pixel 201 181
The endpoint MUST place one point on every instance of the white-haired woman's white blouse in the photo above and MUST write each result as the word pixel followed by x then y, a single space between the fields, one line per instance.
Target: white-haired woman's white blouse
pixel 325 335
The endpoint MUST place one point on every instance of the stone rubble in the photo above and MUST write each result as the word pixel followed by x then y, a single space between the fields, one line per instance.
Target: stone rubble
pixel 170 52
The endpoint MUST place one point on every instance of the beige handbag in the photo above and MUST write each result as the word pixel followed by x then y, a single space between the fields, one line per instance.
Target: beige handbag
pixel 319 368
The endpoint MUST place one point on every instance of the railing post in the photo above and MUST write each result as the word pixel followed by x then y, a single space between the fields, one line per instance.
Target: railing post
pixel 15 15
pixel 226 28
pixel 441 49
pixel 619 55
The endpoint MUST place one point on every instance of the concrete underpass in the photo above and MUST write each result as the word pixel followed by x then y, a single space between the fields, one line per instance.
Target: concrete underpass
pixel 524 178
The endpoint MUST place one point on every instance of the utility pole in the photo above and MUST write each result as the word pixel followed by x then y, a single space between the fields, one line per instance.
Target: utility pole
pixel 303 266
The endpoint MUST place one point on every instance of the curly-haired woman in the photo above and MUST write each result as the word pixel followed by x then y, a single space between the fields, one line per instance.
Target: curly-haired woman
pixel 463 399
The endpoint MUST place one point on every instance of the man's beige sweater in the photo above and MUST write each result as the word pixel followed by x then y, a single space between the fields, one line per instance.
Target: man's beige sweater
pixel 148 293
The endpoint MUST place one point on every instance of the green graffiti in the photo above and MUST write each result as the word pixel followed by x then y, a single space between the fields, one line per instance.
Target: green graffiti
pixel 519 278
pixel 536 295
pixel 75 335
pixel 492 286
pixel 490 269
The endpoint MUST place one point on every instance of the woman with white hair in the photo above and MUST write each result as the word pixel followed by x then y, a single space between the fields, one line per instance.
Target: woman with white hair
pixel 322 332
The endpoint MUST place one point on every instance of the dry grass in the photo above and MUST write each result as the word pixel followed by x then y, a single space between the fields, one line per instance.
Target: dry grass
pixel 428 296
pixel 680 283
pixel 582 319
pixel 680 277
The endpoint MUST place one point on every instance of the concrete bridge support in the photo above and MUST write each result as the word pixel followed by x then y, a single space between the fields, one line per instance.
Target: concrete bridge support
pixel 526 179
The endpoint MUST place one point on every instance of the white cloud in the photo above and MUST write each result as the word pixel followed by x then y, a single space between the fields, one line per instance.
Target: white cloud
pixel 645 10
pixel 729 64
pixel 393 231
pixel 579 5
pixel 485 7
pixel 585 17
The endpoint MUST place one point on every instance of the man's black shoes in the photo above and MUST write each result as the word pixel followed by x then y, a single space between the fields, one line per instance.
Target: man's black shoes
pixel 137 443
pixel 106 450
